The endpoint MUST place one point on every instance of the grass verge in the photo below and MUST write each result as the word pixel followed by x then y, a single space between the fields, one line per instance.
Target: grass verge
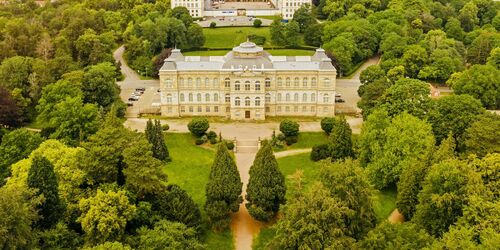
pixel 307 140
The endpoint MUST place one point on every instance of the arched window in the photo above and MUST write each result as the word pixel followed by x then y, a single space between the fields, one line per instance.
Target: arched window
pixel 190 82
pixel 313 97
pixel 268 97
pixel 247 85
pixel 207 82
pixel 296 82
pixel 216 82
pixel 181 97
pixel 247 101
pixel 268 83
pixel 198 82
pixel 304 82
pixel 237 101
pixel 207 97
pixel 326 98
pixel 257 101
pixel 216 97
pixel 190 97
pixel 228 98
pixel 181 82
pixel 237 85
pixel 304 97
pixel 313 81
pixel 227 83
pixel 296 97
pixel 257 85
pixel 198 97
pixel 287 97
pixel 288 81
pixel 169 98
pixel 280 81
pixel 326 82
pixel 279 97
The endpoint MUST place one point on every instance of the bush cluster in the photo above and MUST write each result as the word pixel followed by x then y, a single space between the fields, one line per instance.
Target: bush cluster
pixel 290 130
pixel 320 152
pixel 198 126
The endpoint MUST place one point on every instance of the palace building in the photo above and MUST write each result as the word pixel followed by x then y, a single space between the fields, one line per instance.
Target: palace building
pixel 201 8
pixel 247 84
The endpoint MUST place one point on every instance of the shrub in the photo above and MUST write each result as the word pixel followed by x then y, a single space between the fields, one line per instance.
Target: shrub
pixel 259 40
pixel 229 145
pixel 213 25
pixel 289 128
pixel 281 137
pixel 199 141
pixel 257 23
pixel 327 124
pixel 320 152
pixel 165 127
pixel 291 140
pixel 211 135
pixel 213 140
pixel 198 126
pixel 204 138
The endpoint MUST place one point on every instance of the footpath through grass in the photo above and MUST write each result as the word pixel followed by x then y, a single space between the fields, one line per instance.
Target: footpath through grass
pixel 190 168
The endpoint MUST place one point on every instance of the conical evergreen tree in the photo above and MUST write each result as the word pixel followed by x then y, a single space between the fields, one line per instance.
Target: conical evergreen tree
pixel 43 180
pixel 266 187
pixel 341 146
pixel 223 190
pixel 155 137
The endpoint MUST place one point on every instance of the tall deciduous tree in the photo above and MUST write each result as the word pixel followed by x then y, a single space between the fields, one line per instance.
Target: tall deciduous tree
pixel 105 215
pixel 340 138
pixel 143 173
pixel 266 187
pixel 445 192
pixel 43 180
pixel 99 85
pixel 292 36
pixel 348 182
pixel 482 136
pixel 277 30
pixel 10 114
pixel 155 137
pixel 481 82
pixel 168 235
pixel 223 190
pixel 396 236
pixel 407 95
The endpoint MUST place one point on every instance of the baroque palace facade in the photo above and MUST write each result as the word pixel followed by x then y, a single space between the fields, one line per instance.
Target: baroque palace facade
pixel 247 84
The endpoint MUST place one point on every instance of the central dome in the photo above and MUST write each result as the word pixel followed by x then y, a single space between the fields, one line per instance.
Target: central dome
pixel 248 48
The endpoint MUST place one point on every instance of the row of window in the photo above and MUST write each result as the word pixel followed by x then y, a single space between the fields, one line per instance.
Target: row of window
pixel 296 109
pixel 208 109
pixel 247 85
pixel 237 101
pixel 191 96
pixel 199 109
pixel 279 98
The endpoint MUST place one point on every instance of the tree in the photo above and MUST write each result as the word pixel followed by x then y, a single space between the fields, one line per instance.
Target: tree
pixel 10 115
pixel 480 48
pixel 99 85
pixel 168 235
pixel 17 213
pixel 494 58
pixel 372 95
pixel 223 190
pixel 41 177
pixel 277 30
pixel 105 215
pixel 444 194
pixel 53 94
pixel 341 142
pixel 314 220
pixel 481 82
pixel 292 34
pixel 198 126
pixel 154 134
pixel 487 168
pixel 468 16
pixel 370 75
pixel 93 48
pixel 396 236
pixel 175 204
pixel 257 23
pixel 407 140
pixel 347 182
pixel 453 114
pixel 482 136
pixel 15 146
pixel 143 173
pixel 195 36
pixel 266 186
pixel 304 17
pixel 60 237
pixel 182 13
pixel 312 35
pixel 407 95
pixel 110 246
pixel 327 124
pixel 414 59
pixel 454 30
pixel 373 136
pixel 289 128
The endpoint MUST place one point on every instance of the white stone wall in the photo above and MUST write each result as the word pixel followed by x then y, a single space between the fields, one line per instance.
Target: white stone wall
pixel 195 7
pixel 288 7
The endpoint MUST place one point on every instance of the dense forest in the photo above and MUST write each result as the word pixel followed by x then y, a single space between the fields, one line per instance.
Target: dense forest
pixel 85 181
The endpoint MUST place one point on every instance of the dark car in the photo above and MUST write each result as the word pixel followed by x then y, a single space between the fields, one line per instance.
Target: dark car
pixel 129 103
pixel 339 100
pixel 140 89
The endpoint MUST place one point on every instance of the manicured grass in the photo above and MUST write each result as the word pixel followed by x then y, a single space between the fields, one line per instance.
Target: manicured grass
pixel 190 168
pixel 229 37
pixel 206 53
pixel 289 164
pixel 268 17
pixel 385 203
pixel 274 52
pixel 265 236
pixel 307 140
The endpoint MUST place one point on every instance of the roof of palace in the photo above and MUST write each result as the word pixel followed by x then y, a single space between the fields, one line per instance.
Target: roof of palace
pixel 249 57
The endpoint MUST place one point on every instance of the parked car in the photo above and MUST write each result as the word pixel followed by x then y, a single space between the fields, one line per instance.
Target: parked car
pixel 130 103
pixel 339 100
pixel 133 98
pixel 337 94
pixel 140 89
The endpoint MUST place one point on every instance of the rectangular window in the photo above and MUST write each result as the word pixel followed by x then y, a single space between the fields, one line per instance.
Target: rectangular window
pixel 268 109
pixel 199 109
pixel 207 109
pixel 279 108
pixel 183 109
pixel 287 108
pixel 304 108
pixel 191 109
pixel 216 109
pixel 228 109
pixel 169 110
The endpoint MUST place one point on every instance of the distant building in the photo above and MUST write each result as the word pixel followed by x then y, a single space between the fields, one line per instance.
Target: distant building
pixel 200 8
pixel 247 83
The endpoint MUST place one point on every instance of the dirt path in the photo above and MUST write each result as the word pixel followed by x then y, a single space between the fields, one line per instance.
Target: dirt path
pixel 371 61
pixel 130 74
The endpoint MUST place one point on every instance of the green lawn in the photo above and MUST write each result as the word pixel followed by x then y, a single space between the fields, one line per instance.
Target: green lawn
pixel 190 168
pixel 307 140
pixel 385 203
pixel 265 235
pixel 274 52
pixel 288 165
pixel 229 37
